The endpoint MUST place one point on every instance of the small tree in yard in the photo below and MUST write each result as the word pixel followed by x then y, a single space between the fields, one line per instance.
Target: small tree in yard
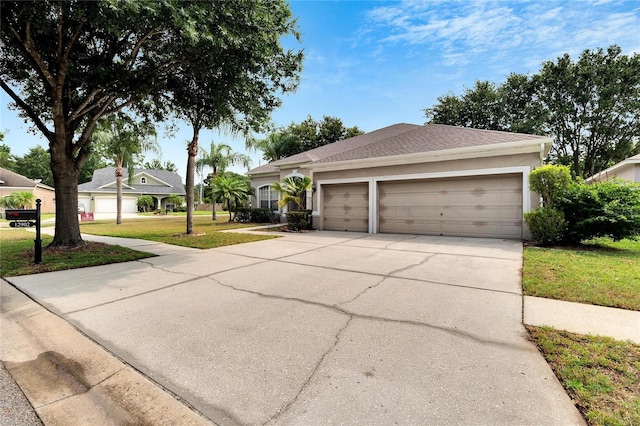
pixel 230 187
pixel 144 203
pixel 293 189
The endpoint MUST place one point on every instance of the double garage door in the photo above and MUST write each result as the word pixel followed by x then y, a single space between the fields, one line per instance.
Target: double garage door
pixel 478 206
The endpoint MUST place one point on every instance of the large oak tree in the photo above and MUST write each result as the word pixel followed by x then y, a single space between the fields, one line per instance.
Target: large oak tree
pixel 68 64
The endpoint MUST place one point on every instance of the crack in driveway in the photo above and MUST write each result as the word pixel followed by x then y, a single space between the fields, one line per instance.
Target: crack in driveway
pixel 306 383
pixel 338 309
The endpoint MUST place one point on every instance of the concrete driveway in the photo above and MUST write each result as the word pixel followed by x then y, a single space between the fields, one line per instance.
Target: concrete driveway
pixel 323 328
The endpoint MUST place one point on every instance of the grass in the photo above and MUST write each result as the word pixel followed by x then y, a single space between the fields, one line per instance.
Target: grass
pixel 171 229
pixel 602 272
pixel 600 374
pixel 17 250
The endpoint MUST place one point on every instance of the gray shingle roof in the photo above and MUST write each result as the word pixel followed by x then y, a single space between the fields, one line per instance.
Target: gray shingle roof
pixel 15 180
pixel 106 176
pixel 400 139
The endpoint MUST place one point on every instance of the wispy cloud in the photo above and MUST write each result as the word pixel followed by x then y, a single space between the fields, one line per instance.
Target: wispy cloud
pixel 492 31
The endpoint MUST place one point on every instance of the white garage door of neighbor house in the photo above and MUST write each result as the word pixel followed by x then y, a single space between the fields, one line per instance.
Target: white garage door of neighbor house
pixel 346 207
pixel 109 205
pixel 477 206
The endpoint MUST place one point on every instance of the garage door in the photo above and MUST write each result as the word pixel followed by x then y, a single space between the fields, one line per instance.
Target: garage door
pixel 480 206
pixel 108 205
pixel 346 207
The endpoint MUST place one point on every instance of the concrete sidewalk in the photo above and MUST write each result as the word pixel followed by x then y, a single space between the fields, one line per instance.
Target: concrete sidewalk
pixel 324 327
pixel 580 318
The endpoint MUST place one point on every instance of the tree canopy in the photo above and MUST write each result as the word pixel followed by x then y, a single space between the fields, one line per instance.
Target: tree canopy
pixel 590 107
pixel 68 64
pixel 303 136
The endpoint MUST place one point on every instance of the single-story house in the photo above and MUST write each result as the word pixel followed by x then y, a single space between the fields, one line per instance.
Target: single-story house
pixel 628 169
pixel 99 195
pixel 420 179
pixel 13 182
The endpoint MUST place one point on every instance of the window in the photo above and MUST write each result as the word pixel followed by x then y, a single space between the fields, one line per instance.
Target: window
pixel 143 180
pixel 268 198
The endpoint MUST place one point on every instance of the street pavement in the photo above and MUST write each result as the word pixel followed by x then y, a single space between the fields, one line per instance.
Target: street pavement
pixel 314 328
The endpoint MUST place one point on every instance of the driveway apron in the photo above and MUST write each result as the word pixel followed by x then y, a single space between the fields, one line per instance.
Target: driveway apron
pixel 324 328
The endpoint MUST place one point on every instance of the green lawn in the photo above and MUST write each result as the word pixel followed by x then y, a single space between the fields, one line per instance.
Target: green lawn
pixel 17 250
pixel 600 374
pixel 171 230
pixel 602 272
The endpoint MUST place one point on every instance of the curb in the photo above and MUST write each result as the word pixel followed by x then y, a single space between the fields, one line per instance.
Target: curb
pixel 69 379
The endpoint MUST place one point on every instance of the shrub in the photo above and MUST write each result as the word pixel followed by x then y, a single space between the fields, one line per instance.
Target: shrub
pixel 549 181
pixel 546 224
pixel 604 209
pixel 260 215
pixel 298 220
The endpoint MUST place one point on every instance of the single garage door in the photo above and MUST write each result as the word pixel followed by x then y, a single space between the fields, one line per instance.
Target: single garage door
pixel 108 205
pixel 346 207
pixel 479 206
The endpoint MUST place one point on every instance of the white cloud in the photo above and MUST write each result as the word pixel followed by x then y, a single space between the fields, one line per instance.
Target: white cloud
pixel 494 31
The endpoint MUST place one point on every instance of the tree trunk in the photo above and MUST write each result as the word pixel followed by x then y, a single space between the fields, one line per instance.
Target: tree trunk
pixel 213 178
pixel 192 150
pixel 65 178
pixel 119 193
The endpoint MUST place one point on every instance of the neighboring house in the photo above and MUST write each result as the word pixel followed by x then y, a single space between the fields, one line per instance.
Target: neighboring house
pixel 13 182
pixel 99 195
pixel 406 178
pixel 628 169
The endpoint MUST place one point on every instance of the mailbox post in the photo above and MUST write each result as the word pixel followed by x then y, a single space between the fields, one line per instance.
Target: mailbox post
pixel 24 219
pixel 37 252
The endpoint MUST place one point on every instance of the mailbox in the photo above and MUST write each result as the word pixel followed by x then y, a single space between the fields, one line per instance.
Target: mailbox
pixel 21 214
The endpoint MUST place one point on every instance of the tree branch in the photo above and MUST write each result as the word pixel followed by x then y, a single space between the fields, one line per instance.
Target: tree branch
pixel 138 46
pixel 33 55
pixel 27 109
pixel 82 108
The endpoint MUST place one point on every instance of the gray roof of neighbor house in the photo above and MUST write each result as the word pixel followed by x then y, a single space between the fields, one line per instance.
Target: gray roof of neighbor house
pixel 399 139
pixel 106 176
pixel 14 180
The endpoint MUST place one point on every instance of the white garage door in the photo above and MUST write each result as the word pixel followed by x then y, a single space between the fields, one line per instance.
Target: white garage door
pixel 479 206
pixel 346 207
pixel 109 205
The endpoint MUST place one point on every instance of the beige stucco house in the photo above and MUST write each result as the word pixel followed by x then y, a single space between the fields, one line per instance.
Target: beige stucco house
pixel 628 169
pixel 406 178
pixel 13 182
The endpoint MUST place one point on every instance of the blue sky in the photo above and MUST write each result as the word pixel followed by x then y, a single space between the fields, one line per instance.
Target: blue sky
pixel 377 63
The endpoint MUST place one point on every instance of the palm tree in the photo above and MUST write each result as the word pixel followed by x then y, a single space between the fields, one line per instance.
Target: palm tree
pixel 228 187
pixel 293 189
pixel 219 157
pixel 276 145
pixel 123 140
pixel 18 200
